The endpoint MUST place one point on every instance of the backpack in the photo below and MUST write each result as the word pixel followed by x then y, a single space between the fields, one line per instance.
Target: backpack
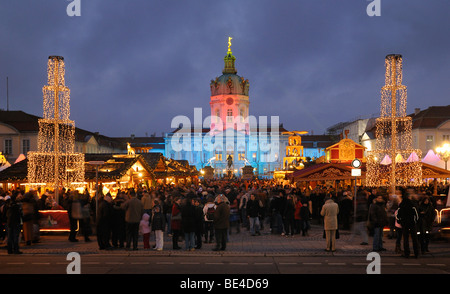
pixel 210 213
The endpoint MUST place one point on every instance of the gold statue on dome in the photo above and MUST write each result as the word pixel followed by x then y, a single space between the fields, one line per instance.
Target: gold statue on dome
pixel 229 44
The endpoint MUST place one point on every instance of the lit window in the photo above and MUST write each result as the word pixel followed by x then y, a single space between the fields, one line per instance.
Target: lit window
pixel 230 115
pixel 217 116
pixel 242 114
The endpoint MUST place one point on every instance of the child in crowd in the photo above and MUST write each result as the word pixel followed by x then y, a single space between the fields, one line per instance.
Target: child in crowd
pixel 158 225
pixel 144 229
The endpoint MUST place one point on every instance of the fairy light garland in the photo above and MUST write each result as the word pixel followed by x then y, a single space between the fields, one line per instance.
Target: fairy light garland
pixel 393 162
pixel 55 164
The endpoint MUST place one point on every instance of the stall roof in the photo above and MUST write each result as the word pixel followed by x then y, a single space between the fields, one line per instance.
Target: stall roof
pixel 115 166
pixel 325 172
pixel 17 172
pixel 342 171
pixel 432 171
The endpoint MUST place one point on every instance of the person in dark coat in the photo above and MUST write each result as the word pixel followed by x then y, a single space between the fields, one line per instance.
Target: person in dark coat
pixel 73 222
pixel 361 216
pixel 254 207
pixel 407 217
pixel 305 215
pixel 42 201
pixel 13 223
pixel 276 208
pixel 158 224
pixel 234 215
pixel 118 233
pixel 188 224
pixel 85 222
pixel 104 222
pixel 167 210
pixel 378 219
pixel 288 216
pixel 3 216
pixel 346 208
pixel 221 222
pixel 176 222
pixel 425 225
pixel 29 209
pixel 199 223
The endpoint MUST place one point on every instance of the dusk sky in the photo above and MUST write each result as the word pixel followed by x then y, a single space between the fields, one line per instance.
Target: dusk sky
pixel 132 66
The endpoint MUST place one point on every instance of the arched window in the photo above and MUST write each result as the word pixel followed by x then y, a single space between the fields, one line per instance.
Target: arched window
pixel 217 115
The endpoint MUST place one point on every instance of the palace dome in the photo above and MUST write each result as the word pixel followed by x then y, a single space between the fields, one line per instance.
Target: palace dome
pixel 229 82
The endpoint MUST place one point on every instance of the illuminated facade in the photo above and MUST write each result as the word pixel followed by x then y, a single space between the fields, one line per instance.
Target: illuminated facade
pixel 345 150
pixel 231 138
pixel 294 156
pixel 231 132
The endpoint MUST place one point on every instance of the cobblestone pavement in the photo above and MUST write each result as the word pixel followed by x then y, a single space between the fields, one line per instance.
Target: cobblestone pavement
pixel 239 244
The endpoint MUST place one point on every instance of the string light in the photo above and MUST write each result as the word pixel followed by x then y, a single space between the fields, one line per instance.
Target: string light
pixel 55 163
pixel 393 162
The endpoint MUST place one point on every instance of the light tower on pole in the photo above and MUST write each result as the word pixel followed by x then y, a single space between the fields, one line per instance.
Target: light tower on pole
pixel 393 162
pixel 55 164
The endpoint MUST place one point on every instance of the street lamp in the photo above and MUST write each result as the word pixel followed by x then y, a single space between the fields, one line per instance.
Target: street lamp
pixel 356 172
pixel 444 153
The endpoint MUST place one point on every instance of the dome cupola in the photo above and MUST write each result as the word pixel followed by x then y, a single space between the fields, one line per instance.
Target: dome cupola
pixel 229 82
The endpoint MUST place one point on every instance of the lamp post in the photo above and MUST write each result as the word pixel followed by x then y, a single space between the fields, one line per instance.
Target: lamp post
pixel 444 153
pixel 356 172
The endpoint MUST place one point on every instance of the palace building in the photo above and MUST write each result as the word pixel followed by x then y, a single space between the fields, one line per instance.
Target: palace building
pixel 230 138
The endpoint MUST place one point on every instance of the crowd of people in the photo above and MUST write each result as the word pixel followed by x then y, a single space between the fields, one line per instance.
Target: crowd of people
pixel 209 211
pixel 19 215
pixel 409 214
